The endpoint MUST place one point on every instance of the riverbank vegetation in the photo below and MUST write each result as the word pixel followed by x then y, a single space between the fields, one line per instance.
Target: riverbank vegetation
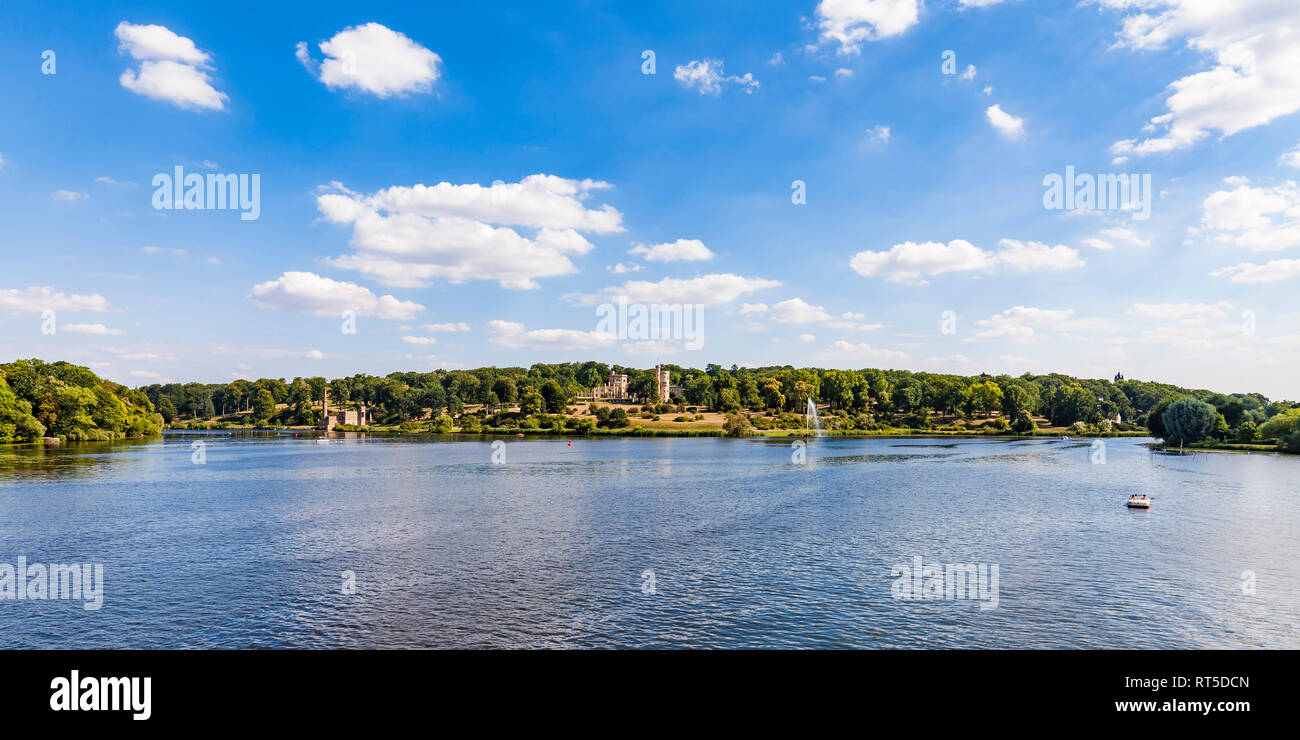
pixel 555 399
pixel 44 400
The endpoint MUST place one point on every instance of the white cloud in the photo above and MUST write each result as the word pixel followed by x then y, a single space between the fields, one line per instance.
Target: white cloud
pixel 686 250
pixel 38 299
pixel 849 23
pixel 707 76
pixel 807 338
pixel 878 133
pixel 622 269
pixel 843 73
pixel 1180 311
pixel 1096 243
pixel 458 326
pixel 1119 233
pixel 314 354
pixel 407 236
pixel 1030 256
pixel 149 375
pixel 777 60
pixel 1018 323
pixel 1012 127
pixel 307 292
pixel 513 335
pixel 375 59
pixel 969 74
pixel 911 263
pixel 95 329
pixel 844 354
pixel 1255 77
pixel 1289 158
pixel 68 196
pixel 747 308
pixel 157 42
pixel 797 311
pixel 172 68
pixel 1250 273
pixel 1255 218
pixel 420 340
pixel 709 290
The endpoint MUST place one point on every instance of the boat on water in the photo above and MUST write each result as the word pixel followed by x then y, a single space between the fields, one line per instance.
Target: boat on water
pixel 1134 502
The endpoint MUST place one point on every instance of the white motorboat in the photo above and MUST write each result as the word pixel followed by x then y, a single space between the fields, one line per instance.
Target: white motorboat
pixel 1139 503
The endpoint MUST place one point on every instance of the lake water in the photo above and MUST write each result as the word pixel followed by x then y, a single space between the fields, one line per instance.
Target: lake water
pixel 650 543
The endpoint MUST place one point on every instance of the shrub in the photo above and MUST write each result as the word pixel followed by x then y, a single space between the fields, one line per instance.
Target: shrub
pixel 737 425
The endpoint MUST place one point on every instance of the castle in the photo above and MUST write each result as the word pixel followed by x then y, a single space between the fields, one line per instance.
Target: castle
pixel 359 417
pixel 616 387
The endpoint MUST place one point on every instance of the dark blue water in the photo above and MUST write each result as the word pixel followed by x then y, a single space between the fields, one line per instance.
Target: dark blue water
pixel 549 548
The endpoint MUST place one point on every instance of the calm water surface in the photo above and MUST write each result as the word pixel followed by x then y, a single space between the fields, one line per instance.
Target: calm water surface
pixel 748 550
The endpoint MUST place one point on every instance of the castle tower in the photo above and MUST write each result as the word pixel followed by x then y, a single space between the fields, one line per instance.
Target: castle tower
pixel 325 410
pixel 663 381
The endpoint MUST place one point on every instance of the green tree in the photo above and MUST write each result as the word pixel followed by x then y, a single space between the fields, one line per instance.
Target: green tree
pixel 532 402
pixel 737 424
pixel 554 397
pixel 1248 432
pixel 1189 420
pixel 263 405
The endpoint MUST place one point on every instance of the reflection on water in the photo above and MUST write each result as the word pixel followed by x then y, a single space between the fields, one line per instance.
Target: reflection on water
pixel 747 549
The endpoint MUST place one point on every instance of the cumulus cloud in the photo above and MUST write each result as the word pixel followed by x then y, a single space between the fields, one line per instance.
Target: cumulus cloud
pixel 172 68
pixel 1116 234
pixel 68 196
pixel 709 290
pixel 514 335
pixel 408 236
pixel 1253 79
pixel 308 292
pixel 1180 311
pixel 684 250
pixel 420 340
pixel 375 59
pixel 1018 323
pixel 458 326
pixel 1035 256
pixel 1012 127
pixel 797 311
pixel 850 23
pixel 1256 218
pixel 1250 273
pixel 707 76
pixel 1289 158
pixel 842 354
pixel 911 263
pixel 314 354
pixel 94 329
pixel 44 298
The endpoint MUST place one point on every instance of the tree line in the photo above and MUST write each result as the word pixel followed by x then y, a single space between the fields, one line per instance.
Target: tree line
pixel 60 399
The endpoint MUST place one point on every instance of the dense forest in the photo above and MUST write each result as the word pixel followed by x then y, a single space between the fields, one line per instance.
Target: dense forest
pixel 541 396
pixel 59 399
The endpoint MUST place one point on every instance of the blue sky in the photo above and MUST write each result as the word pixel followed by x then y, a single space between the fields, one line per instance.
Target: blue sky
pixel 924 190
